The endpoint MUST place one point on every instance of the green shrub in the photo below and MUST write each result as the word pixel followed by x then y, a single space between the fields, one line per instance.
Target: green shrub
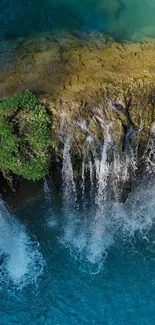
pixel 24 136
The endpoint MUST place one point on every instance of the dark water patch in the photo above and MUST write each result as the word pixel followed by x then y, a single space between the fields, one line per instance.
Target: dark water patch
pixel 123 19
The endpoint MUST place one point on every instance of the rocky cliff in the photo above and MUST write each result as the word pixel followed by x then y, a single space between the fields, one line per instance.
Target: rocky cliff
pixel 85 82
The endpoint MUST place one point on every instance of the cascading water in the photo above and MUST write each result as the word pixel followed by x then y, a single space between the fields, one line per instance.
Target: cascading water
pixel 20 260
pixel 51 221
pixel 83 174
pixel 91 232
pixel 76 235
pixel 149 154
pixel 69 193
pixel 104 168
pixel 97 230
pixel 91 175
pixel 47 191
pixel 69 188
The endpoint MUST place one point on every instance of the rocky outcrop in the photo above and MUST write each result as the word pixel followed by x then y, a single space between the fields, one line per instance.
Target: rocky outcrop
pixel 85 82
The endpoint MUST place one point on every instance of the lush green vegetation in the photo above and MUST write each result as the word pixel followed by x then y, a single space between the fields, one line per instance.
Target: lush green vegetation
pixel 24 136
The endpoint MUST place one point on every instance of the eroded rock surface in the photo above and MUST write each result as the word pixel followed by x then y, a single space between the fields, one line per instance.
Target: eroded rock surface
pixel 84 81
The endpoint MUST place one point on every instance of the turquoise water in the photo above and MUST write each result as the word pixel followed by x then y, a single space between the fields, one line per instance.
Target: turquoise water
pixel 123 19
pixel 63 263
pixel 58 284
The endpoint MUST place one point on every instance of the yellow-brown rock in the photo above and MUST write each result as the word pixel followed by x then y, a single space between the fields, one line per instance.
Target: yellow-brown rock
pixel 78 76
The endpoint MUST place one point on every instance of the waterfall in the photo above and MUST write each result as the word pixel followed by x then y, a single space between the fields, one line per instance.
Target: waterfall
pixel 20 260
pixel 119 174
pixel 96 242
pixel 92 229
pixel 83 175
pixel 69 193
pixel 69 188
pixel 149 154
pixel 47 191
pixel 103 168
pixel 50 218
pixel 91 176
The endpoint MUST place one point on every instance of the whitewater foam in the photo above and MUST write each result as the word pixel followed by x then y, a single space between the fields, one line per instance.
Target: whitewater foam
pixel 20 259
pixel 89 231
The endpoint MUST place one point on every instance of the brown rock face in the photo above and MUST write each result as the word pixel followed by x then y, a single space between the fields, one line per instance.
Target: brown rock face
pixel 83 82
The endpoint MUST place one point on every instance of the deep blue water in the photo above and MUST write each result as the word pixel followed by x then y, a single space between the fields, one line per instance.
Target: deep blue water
pixel 61 286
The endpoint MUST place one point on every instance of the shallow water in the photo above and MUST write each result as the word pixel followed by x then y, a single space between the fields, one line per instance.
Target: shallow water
pixel 60 284
pixel 123 19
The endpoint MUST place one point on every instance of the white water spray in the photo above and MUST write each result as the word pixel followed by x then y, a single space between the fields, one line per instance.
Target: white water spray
pixel 104 168
pixel 91 232
pixel 69 193
pixel 83 174
pixel 149 154
pixel 69 188
pixel 20 260
pixel 98 225
pixel 91 175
